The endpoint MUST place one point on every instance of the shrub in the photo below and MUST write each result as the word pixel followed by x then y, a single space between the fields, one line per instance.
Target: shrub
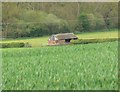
pixel 12 45
pixel 27 44
pixel 86 41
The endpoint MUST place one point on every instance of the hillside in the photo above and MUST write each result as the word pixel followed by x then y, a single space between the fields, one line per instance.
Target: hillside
pixel 22 19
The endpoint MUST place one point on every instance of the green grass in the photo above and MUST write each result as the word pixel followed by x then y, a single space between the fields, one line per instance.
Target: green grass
pixel 98 35
pixel 91 66
pixel 36 42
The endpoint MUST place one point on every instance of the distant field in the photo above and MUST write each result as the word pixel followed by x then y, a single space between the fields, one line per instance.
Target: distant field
pixel 99 35
pixel 36 42
pixel 90 66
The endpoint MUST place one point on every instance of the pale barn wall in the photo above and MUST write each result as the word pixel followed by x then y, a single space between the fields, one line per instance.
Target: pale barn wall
pixel 57 42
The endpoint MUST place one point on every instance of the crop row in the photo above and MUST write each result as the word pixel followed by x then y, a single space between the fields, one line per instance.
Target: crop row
pixel 90 66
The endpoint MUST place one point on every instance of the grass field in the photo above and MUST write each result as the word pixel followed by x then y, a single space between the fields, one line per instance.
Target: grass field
pixel 36 42
pixel 90 66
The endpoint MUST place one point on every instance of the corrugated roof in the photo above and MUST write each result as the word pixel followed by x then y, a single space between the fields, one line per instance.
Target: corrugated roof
pixel 63 36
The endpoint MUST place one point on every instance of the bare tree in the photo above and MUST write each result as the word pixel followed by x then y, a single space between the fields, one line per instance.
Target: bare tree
pixel 78 6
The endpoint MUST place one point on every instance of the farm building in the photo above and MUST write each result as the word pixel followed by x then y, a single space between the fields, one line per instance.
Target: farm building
pixel 63 38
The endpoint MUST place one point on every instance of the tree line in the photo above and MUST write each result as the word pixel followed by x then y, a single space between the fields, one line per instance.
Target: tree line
pixel 40 19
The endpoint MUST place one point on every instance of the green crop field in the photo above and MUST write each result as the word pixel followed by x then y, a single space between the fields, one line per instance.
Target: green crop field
pixel 90 66
pixel 37 42
pixel 34 57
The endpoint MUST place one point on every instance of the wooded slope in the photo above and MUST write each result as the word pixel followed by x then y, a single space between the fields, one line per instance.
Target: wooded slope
pixel 22 19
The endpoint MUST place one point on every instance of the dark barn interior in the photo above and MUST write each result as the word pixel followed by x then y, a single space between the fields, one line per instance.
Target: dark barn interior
pixel 67 40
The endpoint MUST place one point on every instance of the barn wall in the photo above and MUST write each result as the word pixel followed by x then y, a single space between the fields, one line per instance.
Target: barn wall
pixel 51 42
pixel 61 41
pixel 57 42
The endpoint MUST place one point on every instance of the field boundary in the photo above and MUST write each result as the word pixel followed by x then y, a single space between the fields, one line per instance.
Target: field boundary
pixel 86 41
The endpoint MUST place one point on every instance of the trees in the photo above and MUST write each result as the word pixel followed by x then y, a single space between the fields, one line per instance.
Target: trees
pixel 35 23
pixel 84 21
pixel 26 19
